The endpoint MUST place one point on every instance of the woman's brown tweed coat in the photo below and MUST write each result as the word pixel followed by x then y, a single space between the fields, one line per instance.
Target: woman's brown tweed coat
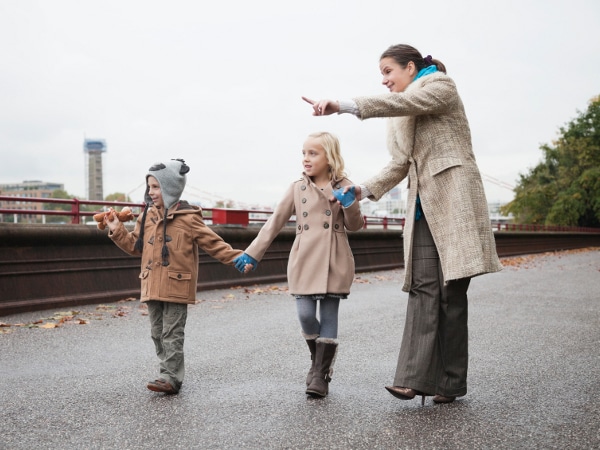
pixel 430 141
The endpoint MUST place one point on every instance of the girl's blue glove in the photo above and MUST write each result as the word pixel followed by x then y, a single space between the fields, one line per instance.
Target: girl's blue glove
pixel 241 261
pixel 345 199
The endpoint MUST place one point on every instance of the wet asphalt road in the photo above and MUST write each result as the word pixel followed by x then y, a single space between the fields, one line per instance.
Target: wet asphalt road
pixel 533 376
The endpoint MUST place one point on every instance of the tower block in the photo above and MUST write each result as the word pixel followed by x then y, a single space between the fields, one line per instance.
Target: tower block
pixel 93 149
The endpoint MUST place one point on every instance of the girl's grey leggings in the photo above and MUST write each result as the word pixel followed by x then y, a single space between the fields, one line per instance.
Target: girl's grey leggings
pixel 327 327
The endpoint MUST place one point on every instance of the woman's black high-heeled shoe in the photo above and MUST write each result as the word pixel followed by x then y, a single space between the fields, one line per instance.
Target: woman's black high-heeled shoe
pixel 438 398
pixel 405 393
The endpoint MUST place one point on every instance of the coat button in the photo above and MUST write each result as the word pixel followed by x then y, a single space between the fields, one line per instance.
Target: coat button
pixel 157 263
pixel 304 214
pixel 325 225
pixel 336 226
pixel 306 227
pixel 327 212
pixel 303 200
pixel 303 187
pixel 299 227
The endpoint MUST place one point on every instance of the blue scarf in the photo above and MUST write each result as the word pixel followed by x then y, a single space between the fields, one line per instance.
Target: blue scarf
pixel 424 71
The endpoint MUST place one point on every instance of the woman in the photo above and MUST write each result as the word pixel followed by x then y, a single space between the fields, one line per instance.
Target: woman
pixel 448 238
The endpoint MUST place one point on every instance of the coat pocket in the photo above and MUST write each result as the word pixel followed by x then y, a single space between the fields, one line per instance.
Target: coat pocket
pixel 438 165
pixel 179 284
pixel 144 280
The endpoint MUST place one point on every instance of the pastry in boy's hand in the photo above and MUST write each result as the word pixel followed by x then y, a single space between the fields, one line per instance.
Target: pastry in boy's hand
pixel 124 216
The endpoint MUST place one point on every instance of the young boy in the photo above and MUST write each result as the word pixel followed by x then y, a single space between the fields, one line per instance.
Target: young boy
pixel 168 235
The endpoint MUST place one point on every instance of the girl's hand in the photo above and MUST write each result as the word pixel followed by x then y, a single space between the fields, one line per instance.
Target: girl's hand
pixel 357 193
pixel 323 107
pixel 345 196
pixel 244 263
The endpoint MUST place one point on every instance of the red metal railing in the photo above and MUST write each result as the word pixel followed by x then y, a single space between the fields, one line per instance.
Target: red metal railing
pixel 75 212
pixel 220 216
pixel 547 228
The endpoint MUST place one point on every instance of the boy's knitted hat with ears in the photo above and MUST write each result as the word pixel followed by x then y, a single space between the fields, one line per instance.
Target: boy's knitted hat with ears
pixel 172 178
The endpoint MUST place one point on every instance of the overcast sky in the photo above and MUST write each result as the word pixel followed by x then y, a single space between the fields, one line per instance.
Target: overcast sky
pixel 219 84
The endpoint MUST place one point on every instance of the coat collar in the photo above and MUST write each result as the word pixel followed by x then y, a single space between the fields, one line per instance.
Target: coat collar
pixel 335 184
pixel 181 207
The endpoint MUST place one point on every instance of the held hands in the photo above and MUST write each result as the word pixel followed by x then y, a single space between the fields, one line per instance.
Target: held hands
pixel 244 263
pixel 345 196
pixel 323 107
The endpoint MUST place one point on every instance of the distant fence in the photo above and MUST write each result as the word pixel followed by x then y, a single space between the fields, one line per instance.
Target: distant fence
pixel 79 210
pixel 75 213
pixel 544 228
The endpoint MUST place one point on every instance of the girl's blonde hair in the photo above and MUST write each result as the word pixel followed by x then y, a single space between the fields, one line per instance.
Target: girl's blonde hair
pixel 331 145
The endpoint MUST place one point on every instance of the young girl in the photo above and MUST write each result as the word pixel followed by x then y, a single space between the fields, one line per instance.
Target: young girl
pixel 167 235
pixel 321 265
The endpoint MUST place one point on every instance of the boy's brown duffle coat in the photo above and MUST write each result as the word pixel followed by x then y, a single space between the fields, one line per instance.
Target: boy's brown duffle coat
pixel 430 141
pixel 186 231
pixel 320 260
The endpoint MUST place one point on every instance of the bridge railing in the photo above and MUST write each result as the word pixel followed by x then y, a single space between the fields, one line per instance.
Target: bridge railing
pixel 548 228
pixel 22 210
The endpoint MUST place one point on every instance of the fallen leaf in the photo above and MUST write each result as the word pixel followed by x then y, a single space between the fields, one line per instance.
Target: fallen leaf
pixel 381 278
pixel 105 307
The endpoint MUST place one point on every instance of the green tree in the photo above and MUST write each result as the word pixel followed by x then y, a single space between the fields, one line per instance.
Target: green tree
pixel 564 188
pixel 117 197
pixel 62 194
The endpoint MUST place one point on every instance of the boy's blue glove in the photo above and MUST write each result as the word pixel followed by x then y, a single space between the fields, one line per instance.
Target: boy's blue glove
pixel 345 199
pixel 241 261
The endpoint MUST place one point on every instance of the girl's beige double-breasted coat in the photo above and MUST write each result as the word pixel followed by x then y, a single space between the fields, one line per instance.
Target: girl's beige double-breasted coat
pixel 430 142
pixel 320 261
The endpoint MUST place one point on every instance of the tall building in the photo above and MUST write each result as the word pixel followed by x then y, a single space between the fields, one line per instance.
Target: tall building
pixel 93 149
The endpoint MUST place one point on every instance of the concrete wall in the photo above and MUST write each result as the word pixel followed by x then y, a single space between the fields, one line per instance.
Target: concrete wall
pixel 51 266
pixel 58 266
